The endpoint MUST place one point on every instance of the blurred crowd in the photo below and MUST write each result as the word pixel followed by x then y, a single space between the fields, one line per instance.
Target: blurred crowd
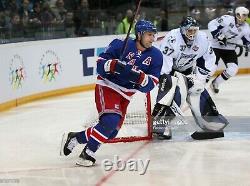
pixel 47 19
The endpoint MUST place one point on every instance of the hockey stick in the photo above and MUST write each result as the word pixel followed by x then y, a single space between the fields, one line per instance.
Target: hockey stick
pixel 242 46
pixel 125 44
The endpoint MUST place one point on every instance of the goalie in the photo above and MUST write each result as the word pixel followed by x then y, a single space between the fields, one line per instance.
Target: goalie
pixel 188 61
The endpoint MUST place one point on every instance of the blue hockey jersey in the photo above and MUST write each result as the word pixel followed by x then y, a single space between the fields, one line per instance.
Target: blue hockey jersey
pixel 149 61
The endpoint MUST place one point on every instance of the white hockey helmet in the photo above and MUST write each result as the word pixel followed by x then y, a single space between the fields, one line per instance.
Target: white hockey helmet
pixel 241 14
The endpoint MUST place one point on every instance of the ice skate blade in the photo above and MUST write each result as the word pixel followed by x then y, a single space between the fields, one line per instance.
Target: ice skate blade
pixel 84 163
pixel 63 141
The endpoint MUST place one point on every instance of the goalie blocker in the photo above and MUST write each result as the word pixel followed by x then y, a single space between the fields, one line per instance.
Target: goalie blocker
pixel 172 94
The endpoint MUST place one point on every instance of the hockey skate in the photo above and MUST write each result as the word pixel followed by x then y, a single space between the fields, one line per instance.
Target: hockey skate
pixel 69 142
pixel 166 135
pixel 86 158
pixel 214 87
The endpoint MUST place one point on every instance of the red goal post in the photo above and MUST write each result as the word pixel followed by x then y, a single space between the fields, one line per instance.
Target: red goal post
pixel 137 123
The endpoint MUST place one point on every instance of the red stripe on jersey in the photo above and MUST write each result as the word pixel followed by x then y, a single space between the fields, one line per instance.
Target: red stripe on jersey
pixel 155 79
pixel 127 93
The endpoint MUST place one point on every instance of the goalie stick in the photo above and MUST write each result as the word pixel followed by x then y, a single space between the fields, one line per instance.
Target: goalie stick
pixel 206 135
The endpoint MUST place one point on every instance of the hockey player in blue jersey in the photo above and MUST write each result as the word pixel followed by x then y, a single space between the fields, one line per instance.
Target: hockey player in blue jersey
pixel 120 75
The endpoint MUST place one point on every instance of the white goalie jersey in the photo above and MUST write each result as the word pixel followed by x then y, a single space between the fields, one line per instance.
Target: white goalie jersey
pixel 226 25
pixel 179 57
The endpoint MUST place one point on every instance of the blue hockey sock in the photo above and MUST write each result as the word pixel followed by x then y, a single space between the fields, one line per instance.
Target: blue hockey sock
pixel 113 134
pixel 101 132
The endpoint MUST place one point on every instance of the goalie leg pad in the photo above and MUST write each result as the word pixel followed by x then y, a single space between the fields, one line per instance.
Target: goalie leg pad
pixel 205 113
pixel 182 88
pixel 162 115
pixel 166 89
pixel 164 118
pixel 171 95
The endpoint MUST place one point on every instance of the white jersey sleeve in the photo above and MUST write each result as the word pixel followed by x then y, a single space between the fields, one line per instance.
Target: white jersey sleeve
pixel 166 47
pixel 246 34
pixel 205 63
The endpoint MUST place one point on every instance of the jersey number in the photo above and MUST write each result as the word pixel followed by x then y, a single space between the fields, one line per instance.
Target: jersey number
pixel 168 51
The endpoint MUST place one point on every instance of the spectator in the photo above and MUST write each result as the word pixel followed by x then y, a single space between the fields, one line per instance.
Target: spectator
pixel 52 3
pixel 12 6
pixel 24 12
pixel 47 16
pixel 16 26
pixel 2 20
pixel 35 16
pixel 161 21
pixel 71 5
pixel 81 19
pixel 60 12
pixel 3 5
pixel 123 26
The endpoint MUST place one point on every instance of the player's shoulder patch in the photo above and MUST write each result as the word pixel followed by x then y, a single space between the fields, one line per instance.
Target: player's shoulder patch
pixel 171 39
pixel 171 36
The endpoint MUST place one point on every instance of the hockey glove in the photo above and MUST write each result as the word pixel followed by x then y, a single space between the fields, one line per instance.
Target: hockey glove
pixel 143 79
pixel 114 66
pixel 247 47
pixel 138 77
pixel 222 39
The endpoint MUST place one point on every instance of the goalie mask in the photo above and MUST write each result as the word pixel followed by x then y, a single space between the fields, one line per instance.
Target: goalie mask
pixel 189 28
pixel 241 14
